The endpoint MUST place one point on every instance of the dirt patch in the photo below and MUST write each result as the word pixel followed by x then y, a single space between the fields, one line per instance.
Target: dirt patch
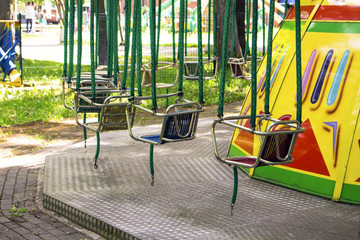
pixel 33 137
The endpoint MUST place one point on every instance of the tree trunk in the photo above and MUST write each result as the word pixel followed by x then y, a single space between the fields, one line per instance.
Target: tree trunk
pixel 220 9
pixel 240 21
pixel 102 34
pixel 5 10
pixel 120 27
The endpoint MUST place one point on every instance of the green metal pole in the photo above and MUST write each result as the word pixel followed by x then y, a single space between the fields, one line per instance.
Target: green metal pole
pixel 127 41
pixel 224 59
pixel 209 27
pixel 133 50
pixel 264 25
pixel 173 28
pixel 139 48
pixel 97 32
pixel 79 45
pixel 235 189
pixel 153 53
pixel 84 130
pixel 97 149
pixel 254 65
pixel 186 23
pixel 269 57
pixel 200 52
pixel 92 49
pixel 71 40
pixel 66 25
pixel 298 61
pixel 181 46
pixel 151 163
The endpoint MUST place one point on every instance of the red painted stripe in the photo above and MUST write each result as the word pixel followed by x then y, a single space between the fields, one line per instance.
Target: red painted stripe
pixel 338 13
pixel 305 12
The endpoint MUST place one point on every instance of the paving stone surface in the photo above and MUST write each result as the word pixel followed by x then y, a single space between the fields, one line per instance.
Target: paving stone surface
pixel 19 191
pixel 190 198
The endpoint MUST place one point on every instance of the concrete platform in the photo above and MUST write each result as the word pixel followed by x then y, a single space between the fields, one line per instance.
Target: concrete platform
pixel 190 199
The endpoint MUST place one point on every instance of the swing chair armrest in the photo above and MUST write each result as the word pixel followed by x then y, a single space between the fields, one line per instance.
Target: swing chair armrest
pixel 63 94
pixel 185 103
pixel 246 161
pixel 105 104
pixel 128 119
pixel 87 125
pixel 158 96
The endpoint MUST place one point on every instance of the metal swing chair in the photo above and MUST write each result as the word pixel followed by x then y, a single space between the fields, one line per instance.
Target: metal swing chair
pixel 237 64
pixel 194 65
pixel 161 66
pixel 179 120
pixel 277 137
pixel 91 94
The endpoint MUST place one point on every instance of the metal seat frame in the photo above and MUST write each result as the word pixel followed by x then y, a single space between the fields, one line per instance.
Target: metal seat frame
pixel 194 60
pixel 171 111
pixel 294 128
pixel 146 71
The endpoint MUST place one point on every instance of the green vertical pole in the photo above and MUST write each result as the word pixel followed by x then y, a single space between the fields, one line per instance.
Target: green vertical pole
pixel 209 27
pixel 79 45
pixel 151 163
pixel 186 23
pixel 139 49
pixel 158 32
pixel 224 58
pixel 264 26
pixel 97 32
pixel 127 41
pixel 115 42
pixel 173 28
pixel 235 189
pixel 200 52
pixel 66 24
pixel 298 61
pixel 133 49
pixel 269 57
pixel 153 52
pixel 84 130
pixel 181 45
pixel 71 40
pixel 92 49
pixel 254 64
pixel 97 149
pixel 214 27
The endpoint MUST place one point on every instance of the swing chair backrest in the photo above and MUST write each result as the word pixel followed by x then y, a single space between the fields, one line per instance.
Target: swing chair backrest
pixel 162 66
pixel 278 142
pixel 85 90
pixel 180 126
pixel 237 65
pixel 191 66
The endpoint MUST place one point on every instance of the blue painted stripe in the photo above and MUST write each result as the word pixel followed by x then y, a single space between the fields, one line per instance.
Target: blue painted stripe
pixel 334 90
pixel 320 81
pixel 278 66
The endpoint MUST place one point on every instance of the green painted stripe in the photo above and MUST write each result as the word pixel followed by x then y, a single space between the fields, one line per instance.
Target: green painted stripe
pixel 350 194
pixel 335 27
pixel 235 152
pixel 290 25
pixel 295 180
